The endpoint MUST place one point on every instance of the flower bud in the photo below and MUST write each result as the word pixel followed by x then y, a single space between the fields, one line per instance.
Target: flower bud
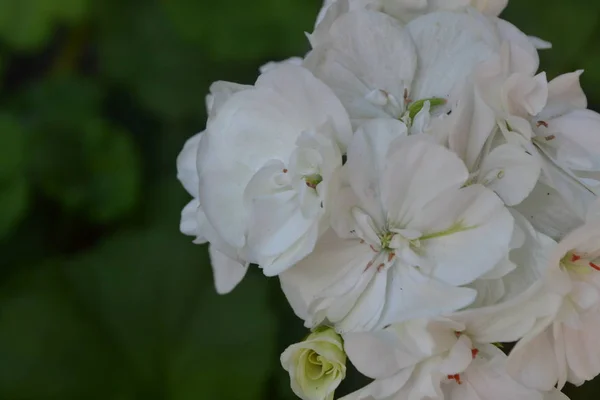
pixel 317 365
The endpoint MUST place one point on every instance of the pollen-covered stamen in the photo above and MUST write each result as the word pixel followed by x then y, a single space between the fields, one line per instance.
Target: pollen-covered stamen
pixel 474 353
pixel 455 377
pixel 542 123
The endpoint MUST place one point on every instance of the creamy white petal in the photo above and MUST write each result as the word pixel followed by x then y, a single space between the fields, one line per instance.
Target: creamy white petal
pixel 458 228
pixel 418 171
pixel 368 60
pixel 187 172
pixel 564 95
pixel 449 45
pixel 511 172
pixel 227 271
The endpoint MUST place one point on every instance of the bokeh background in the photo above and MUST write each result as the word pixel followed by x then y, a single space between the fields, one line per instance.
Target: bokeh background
pixel 101 297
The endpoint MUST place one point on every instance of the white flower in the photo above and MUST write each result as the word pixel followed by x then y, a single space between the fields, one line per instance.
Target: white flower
pixel 548 121
pixel 228 268
pixel 316 365
pixel 407 236
pixel 380 69
pixel 405 10
pixel 434 360
pixel 472 133
pixel 564 347
pixel 264 164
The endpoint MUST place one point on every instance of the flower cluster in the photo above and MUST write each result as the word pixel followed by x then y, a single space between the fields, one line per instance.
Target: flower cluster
pixel 422 192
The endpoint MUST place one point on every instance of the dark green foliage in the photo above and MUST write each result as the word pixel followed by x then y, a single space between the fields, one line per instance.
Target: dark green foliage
pixel 101 297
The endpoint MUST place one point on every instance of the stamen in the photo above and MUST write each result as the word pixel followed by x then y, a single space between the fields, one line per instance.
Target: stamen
pixel 549 138
pixel 595 266
pixel 285 170
pixel 380 267
pixel 455 377
pixel 542 123
pixel 575 258
pixel 373 248
pixel 369 264
pixel 474 353
pixel 391 256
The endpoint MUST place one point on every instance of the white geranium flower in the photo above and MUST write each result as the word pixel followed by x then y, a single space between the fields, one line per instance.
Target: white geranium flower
pixel 564 347
pixel 380 69
pixel 549 121
pixel 407 236
pixel 472 133
pixel 228 268
pixel 404 10
pixel 434 360
pixel 317 365
pixel 264 164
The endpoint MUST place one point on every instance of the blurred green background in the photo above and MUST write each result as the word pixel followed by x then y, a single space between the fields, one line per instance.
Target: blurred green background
pixel 101 297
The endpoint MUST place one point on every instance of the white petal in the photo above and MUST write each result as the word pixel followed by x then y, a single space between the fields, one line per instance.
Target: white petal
pixel 491 382
pixel 274 64
pixel 411 294
pixel 366 163
pixel 564 95
pixel 227 271
pixel 511 172
pixel 548 212
pixel 314 102
pixel 373 353
pixel 460 225
pixel 335 267
pixel 417 171
pixel 192 221
pixel 533 362
pixel 524 57
pixel 578 139
pixel 381 388
pixel 524 95
pixel 449 46
pixel 187 172
pixel 539 44
pixel 471 124
pixel 366 51
pixel 220 92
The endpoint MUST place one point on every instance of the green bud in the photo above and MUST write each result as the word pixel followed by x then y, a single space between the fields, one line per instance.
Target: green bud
pixel 316 365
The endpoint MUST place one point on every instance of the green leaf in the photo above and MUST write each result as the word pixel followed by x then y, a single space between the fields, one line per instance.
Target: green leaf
pixel 237 29
pixel 577 22
pixel 12 147
pixel 14 196
pixel 51 348
pixel 28 24
pixel 137 315
pixel 94 171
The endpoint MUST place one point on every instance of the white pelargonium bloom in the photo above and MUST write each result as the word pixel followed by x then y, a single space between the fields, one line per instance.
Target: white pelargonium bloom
pixel 406 10
pixel 228 267
pixel 317 365
pixel 380 69
pixel 472 133
pixel 550 122
pixel 564 347
pixel 407 236
pixel 433 360
pixel 265 162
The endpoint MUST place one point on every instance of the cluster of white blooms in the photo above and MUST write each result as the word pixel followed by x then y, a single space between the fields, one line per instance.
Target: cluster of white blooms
pixel 423 195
